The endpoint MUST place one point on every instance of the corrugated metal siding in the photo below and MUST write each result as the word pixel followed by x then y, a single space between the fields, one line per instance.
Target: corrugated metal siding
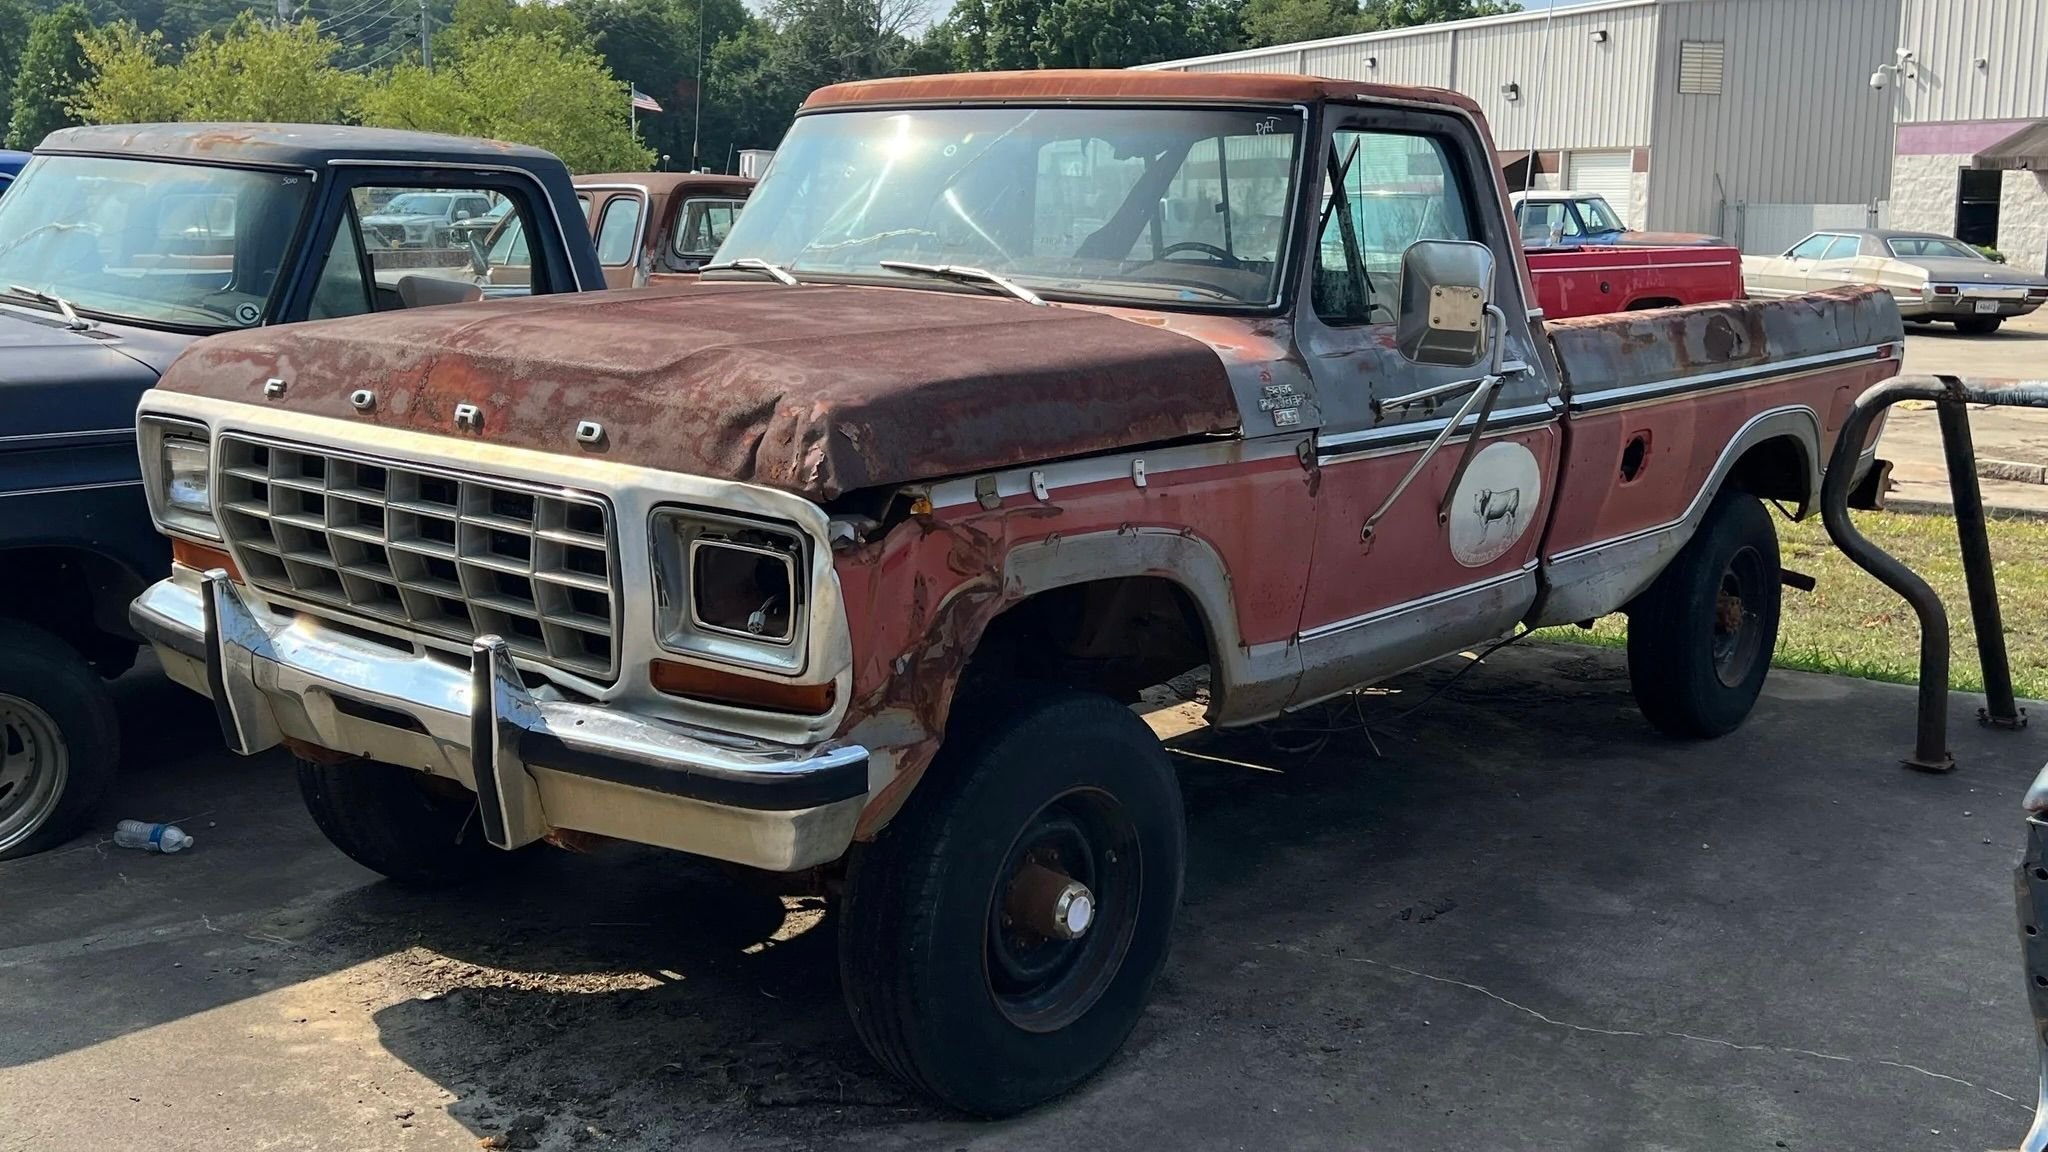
pixel 1288 62
pixel 1417 58
pixel 1798 121
pixel 1575 93
pixel 1947 37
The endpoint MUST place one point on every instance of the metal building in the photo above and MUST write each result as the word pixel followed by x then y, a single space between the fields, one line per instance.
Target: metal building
pixel 1755 120
pixel 1969 80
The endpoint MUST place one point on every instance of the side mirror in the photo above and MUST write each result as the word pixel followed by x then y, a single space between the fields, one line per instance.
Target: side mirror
pixel 1446 292
pixel 462 214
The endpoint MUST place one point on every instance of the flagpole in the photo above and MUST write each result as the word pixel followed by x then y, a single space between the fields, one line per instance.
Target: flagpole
pixel 697 114
pixel 633 110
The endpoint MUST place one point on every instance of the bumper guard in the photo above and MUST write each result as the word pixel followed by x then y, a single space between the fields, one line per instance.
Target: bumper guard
pixel 775 806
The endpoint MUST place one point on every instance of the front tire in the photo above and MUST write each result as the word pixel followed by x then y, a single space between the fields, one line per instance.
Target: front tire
pixel 59 740
pixel 998 941
pixel 419 830
pixel 1700 639
pixel 1979 325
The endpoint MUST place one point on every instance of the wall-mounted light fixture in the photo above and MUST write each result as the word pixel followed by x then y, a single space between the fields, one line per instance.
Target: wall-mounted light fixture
pixel 1888 72
pixel 1599 35
pixel 1512 91
pixel 1372 61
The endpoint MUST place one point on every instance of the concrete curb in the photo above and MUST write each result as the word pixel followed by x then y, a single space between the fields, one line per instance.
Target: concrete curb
pixel 1944 508
pixel 2013 470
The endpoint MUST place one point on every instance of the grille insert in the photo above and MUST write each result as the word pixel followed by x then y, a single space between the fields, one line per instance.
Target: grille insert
pixel 448 555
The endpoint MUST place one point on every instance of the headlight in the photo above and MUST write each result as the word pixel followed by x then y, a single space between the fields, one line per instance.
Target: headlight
pixel 177 475
pixel 731 588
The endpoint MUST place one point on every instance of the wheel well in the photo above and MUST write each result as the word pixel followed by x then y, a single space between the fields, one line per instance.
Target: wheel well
pixel 1775 469
pixel 81 597
pixel 1648 302
pixel 1117 636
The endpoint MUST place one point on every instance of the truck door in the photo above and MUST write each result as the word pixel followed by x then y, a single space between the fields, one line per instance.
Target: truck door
pixel 1443 568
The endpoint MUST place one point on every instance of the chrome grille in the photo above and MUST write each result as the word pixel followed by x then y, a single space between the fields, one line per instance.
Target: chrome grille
pixel 446 554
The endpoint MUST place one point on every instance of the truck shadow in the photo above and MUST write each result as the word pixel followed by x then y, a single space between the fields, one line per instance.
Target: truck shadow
pixel 641 995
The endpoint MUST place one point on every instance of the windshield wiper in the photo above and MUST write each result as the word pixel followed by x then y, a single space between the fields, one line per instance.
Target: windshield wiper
pixel 72 319
pixel 962 274
pixel 775 272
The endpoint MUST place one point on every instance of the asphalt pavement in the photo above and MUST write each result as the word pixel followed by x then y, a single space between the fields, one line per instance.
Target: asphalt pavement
pixel 1517 920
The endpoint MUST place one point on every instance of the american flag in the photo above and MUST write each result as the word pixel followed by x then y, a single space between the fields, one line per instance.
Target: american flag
pixel 644 102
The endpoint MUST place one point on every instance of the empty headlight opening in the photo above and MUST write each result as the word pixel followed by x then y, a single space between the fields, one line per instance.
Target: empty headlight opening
pixel 744 586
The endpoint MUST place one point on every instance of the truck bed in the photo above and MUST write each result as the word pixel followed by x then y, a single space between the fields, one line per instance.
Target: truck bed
pixel 1595 280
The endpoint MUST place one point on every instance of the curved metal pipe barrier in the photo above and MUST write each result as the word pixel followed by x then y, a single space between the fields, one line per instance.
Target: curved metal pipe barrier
pixel 1951 396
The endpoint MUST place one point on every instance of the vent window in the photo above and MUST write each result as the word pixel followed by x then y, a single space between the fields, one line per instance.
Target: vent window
pixel 1700 66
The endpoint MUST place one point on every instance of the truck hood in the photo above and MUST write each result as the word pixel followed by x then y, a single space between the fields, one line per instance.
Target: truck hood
pixel 816 390
pixel 54 380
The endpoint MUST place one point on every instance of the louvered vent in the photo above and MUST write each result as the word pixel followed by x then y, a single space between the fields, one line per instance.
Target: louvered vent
pixel 1700 66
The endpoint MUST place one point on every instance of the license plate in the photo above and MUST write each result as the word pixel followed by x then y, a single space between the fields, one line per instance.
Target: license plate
pixel 1987 307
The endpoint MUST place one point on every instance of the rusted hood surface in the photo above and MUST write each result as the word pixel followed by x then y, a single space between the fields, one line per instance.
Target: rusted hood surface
pixel 817 390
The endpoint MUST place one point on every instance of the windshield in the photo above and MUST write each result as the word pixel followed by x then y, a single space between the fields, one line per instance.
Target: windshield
pixel 416 204
pixel 148 241
pixel 1155 204
pixel 1940 246
pixel 1598 216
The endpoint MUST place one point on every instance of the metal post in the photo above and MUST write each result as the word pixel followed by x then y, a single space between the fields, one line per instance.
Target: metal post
pixel 426 38
pixel 1960 450
pixel 697 113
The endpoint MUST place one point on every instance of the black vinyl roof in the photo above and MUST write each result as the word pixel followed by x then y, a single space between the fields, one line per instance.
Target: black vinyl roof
pixel 287 145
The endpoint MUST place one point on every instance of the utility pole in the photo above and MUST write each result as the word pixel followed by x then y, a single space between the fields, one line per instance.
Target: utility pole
pixel 426 37
pixel 284 13
pixel 697 114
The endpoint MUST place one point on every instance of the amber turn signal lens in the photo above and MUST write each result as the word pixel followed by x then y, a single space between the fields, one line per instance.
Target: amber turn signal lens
pixel 203 558
pixel 740 690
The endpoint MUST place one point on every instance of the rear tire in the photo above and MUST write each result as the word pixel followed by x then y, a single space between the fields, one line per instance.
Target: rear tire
pixel 60 740
pixel 1979 325
pixel 418 830
pixel 950 990
pixel 1700 639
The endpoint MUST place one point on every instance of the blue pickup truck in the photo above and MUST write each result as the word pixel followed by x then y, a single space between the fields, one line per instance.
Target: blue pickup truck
pixel 119 247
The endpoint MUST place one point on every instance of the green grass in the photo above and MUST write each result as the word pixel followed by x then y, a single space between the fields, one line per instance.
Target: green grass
pixel 1852 625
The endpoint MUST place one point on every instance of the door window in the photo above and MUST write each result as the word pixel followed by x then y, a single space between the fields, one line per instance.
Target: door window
pixel 1843 248
pixel 1811 248
pixel 618 232
pixel 421 245
pixel 702 226
pixel 1382 192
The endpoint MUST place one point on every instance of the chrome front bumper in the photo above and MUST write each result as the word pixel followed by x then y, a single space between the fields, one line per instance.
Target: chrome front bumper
pixel 535 764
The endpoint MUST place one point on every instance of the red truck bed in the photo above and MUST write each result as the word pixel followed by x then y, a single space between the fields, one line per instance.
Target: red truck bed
pixel 1594 280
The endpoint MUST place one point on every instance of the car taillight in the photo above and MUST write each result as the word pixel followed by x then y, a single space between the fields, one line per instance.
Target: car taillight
pixel 1946 290
pixel 2037 293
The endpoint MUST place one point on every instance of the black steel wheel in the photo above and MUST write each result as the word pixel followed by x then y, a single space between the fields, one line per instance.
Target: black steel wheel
pixel 998 940
pixel 59 740
pixel 1700 639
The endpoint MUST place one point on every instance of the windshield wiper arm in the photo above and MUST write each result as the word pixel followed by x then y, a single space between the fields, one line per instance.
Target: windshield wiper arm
pixel 72 319
pixel 961 273
pixel 775 272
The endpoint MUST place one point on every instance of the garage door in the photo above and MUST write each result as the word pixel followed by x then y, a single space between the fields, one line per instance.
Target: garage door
pixel 1609 174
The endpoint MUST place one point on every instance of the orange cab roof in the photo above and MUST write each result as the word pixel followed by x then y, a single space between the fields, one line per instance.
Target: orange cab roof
pixel 1117 84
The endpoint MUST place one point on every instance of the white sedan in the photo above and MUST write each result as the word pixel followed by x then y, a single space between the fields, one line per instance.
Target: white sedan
pixel 1933 277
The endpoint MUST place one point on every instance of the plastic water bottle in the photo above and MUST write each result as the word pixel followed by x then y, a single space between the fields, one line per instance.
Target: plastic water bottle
pixel 149 837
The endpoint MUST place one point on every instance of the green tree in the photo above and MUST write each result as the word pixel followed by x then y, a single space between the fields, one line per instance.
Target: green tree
pixel 1377 14
pixel 1109 33
pixel 51 67
pixel 532 89
pixel 248 72
pixel 15 19
pixel 1288 21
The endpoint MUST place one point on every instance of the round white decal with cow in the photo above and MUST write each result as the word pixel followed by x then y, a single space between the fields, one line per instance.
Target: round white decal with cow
pixel 1499 498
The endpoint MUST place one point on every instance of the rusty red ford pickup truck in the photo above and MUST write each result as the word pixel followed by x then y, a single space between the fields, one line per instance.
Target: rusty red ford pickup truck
pixel 1007 397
